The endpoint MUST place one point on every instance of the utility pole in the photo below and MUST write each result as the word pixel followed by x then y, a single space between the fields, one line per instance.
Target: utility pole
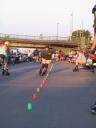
pixel 82 24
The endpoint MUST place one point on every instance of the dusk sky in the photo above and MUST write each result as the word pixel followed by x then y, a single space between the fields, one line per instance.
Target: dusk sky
pixel 35 17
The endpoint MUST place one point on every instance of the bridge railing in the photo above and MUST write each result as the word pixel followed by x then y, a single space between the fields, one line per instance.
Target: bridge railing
pixel 8 36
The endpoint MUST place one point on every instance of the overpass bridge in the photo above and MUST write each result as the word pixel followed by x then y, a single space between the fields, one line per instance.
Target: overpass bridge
pixel 37 41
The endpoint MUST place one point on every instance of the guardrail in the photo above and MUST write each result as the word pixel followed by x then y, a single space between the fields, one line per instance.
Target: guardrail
pixel 41 37
pixel 14 39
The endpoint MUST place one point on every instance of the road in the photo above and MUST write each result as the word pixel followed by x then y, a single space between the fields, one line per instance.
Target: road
pixel 63 102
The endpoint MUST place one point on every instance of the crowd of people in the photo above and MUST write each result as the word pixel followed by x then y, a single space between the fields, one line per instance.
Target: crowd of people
pixel 7 56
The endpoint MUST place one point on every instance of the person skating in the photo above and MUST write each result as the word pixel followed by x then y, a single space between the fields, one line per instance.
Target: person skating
pixel 46 60
pixel 79 60
pixel 94 26
pixel 4 58
pixel 93 108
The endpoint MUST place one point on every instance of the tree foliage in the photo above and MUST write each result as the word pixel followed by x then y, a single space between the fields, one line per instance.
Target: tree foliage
pixel 78 34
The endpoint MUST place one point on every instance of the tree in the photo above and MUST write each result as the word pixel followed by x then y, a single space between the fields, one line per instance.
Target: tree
pixel 78 34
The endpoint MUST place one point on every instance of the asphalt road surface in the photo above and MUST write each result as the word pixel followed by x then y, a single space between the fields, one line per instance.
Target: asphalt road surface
pixel 63 102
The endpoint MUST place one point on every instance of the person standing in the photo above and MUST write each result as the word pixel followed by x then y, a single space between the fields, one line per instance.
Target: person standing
pixel 29 56
pixel 36 55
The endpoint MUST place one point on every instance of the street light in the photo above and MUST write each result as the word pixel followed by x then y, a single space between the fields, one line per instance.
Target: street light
pixel 71 26
pixel 57 30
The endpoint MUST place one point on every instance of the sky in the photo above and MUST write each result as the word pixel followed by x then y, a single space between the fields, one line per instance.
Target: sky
pixel 35 17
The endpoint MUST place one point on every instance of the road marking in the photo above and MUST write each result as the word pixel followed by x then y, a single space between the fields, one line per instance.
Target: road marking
pixel 35 95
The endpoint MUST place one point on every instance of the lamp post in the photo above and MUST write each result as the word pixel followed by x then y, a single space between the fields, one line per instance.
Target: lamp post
pixel 71 24
pixel 57 30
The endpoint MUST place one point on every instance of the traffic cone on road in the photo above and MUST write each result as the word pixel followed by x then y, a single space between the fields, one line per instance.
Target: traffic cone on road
pixel 34 96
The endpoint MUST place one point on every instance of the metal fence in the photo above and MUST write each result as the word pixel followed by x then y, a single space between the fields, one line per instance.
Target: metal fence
pixel 8 36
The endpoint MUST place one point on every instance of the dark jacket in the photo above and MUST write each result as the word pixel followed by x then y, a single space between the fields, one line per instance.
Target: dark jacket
pixel 47 55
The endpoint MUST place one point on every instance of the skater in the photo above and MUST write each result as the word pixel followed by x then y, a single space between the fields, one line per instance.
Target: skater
pixel 79 60
pixel 36 55
pixel 4 58
pixel 94 26
pixel 93 108
pixel 46 60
